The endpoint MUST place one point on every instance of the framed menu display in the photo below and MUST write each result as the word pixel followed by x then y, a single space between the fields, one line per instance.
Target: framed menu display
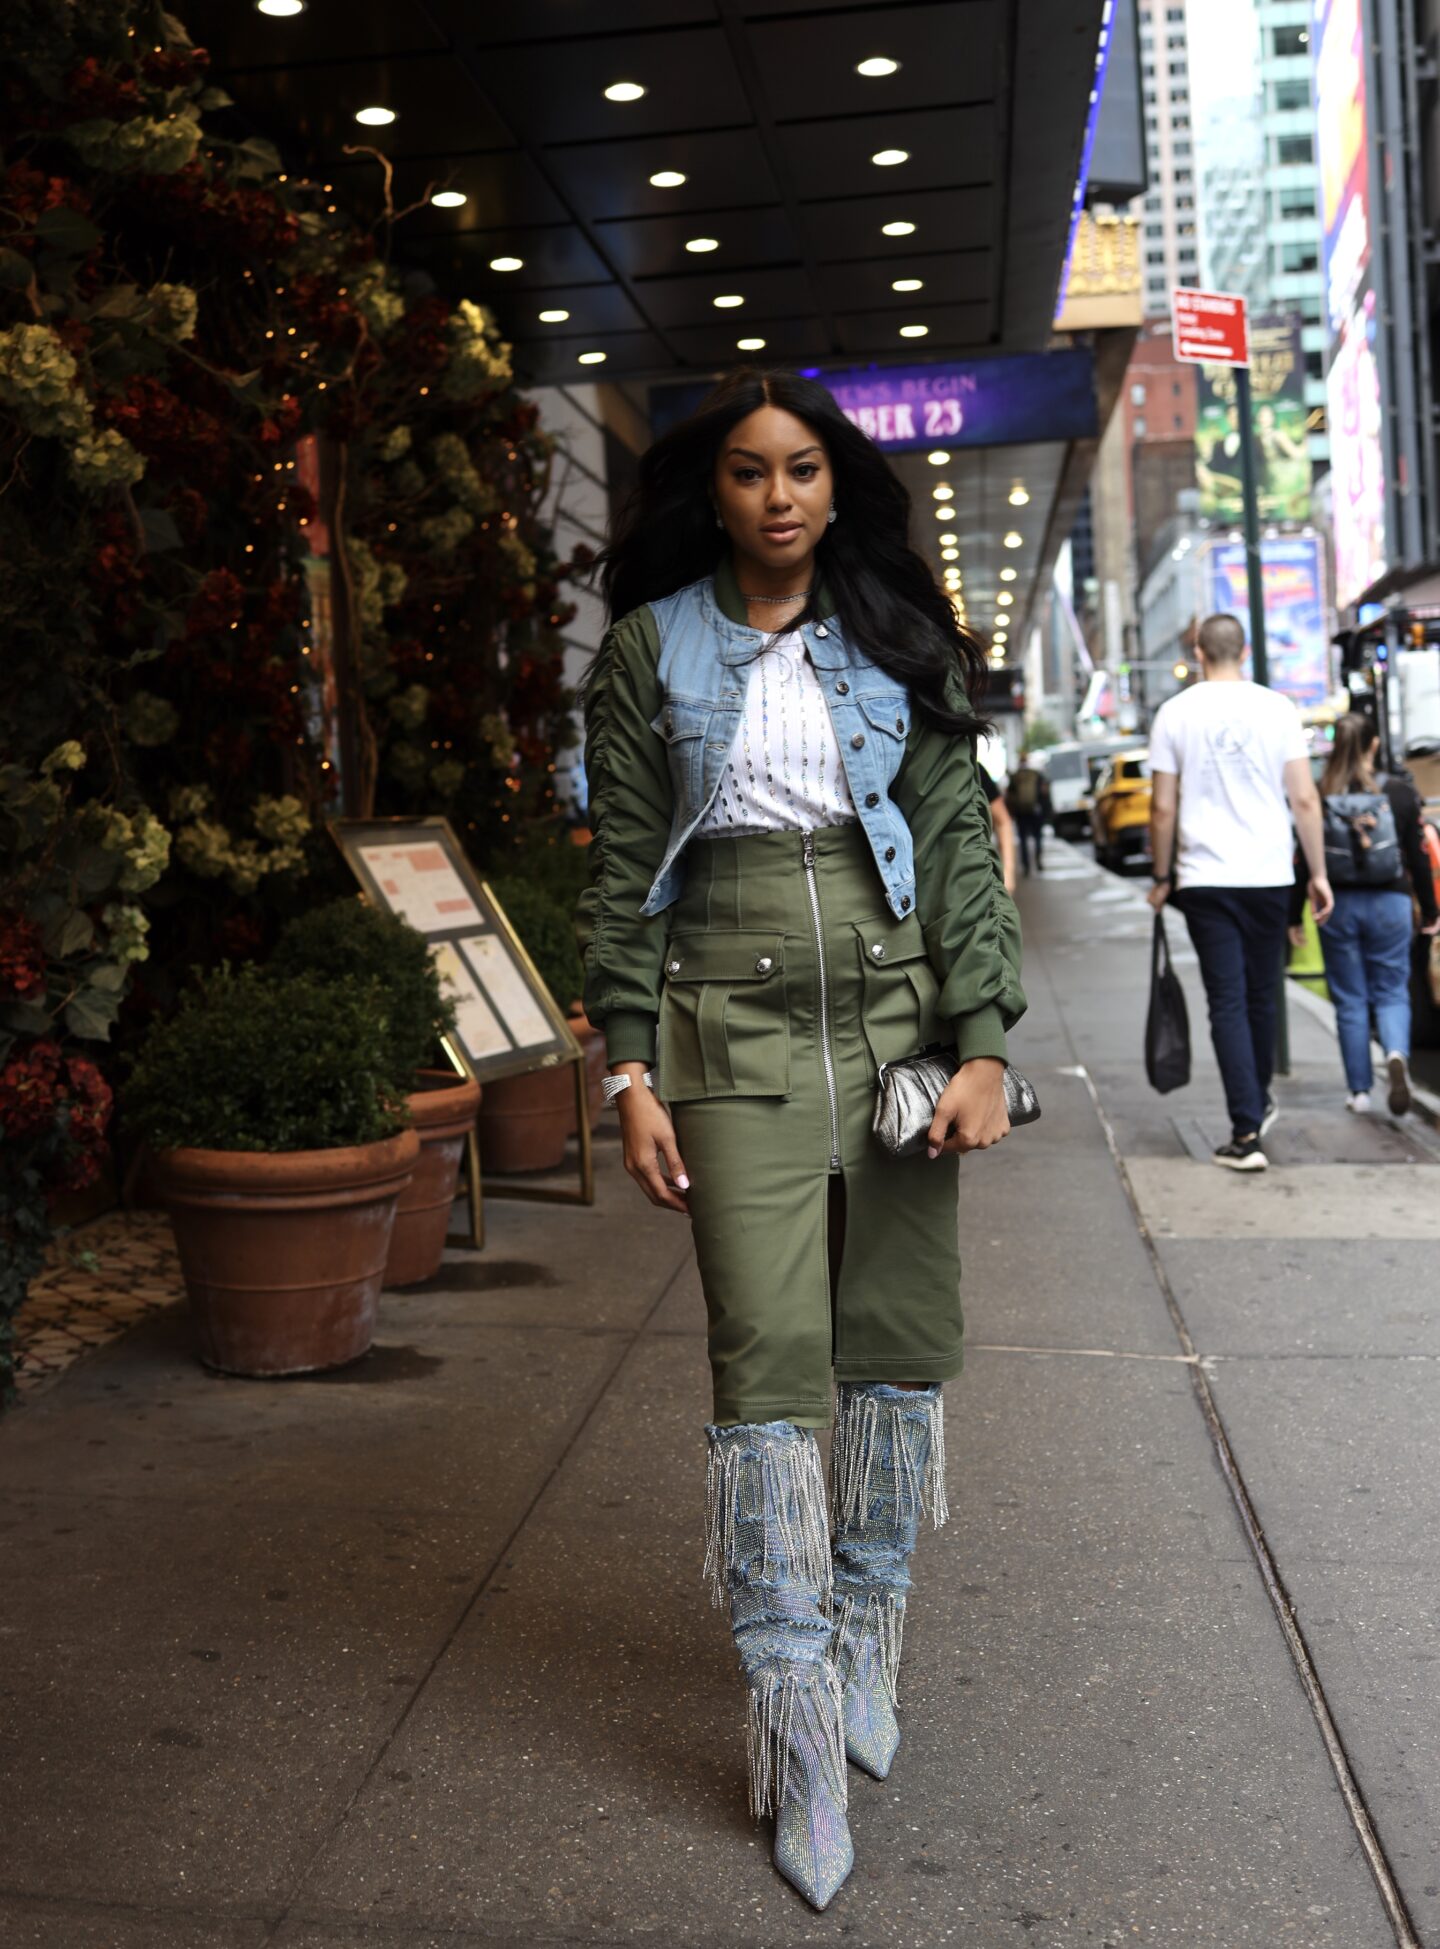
pixel 507 1021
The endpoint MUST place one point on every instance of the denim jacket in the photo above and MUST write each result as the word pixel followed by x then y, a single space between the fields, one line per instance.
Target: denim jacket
pixel 661 708
pixel 703 667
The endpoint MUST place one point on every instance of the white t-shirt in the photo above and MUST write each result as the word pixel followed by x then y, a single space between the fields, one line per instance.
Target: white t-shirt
pixel 1229 744
pixel 784 771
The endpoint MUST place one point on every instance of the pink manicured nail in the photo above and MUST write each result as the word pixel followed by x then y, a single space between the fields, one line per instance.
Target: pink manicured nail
pixel 684 1183
pixel 933 1151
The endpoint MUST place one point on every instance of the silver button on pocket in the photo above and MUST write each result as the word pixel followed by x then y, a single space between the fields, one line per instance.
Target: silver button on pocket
pixel 857 741
pixel 764 964
pixel 878 950
pixel 672 967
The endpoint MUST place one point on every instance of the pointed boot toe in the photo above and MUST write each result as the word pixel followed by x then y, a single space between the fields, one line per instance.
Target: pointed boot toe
pixel 872 1732
pixel 813 1849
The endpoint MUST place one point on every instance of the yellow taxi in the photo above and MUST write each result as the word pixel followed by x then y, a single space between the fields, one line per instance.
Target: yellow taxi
pixel 1120 810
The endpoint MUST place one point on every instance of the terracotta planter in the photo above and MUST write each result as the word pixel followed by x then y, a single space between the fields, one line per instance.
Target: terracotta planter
pixel 284 1252
pixel 443 1106
pixel 525 1120
pixel 593 1043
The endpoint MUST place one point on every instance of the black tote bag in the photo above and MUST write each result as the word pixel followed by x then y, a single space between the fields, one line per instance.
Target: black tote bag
pixel 1167 1025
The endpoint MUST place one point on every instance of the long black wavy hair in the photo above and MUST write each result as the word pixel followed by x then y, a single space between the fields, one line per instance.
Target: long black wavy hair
pixel 884 594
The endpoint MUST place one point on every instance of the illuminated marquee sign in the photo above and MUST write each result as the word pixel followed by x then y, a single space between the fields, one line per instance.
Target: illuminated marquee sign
pixel 978 403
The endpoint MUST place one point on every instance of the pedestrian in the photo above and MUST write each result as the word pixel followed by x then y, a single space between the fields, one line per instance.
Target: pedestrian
pixel 1231 756
pixel 1373 840
pixel 793 881
pixel 1028 798
pixel 1004 827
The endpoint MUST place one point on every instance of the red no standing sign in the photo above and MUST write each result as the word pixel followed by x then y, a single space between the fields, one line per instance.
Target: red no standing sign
pixel 1209 328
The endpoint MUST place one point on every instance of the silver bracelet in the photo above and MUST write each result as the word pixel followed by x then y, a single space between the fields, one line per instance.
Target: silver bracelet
pixel 611 1086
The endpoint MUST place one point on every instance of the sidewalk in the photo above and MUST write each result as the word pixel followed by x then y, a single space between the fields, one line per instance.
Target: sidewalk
pixel 419 1654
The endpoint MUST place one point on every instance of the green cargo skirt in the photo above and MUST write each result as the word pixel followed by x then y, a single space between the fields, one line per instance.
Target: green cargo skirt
pixel 787 980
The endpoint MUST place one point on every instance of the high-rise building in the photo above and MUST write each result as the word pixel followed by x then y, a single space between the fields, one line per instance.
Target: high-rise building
pixel 1260 224
pixel 1171 247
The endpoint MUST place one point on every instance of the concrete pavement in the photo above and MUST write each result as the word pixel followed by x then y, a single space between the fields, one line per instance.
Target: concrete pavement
pixel 419 1653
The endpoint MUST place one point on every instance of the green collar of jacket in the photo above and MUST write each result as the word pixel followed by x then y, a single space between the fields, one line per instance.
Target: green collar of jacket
pixel 731 602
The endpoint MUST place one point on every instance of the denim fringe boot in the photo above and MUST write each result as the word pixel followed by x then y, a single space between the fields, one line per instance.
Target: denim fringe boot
pixel 888 1468
pixel 767 1548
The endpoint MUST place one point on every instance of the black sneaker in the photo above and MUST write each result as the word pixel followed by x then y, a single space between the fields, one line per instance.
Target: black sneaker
pixel 1272 1110
pixel 1243 1154
pixel 1400 1098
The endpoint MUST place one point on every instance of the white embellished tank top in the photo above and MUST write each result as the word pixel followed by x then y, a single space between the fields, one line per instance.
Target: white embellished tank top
pixel 784 769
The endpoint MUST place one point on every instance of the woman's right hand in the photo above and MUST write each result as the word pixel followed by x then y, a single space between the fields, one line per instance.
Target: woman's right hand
pixel 651 1153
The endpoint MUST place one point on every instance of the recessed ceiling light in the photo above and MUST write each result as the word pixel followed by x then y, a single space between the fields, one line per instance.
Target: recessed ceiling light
pixel 908 284
pixel 878 64
pixel 944 492
pixel 507 263
pixel 938 459
pixel 949 554
pixel 914 331
pixel 375 118
pixel 592 358
pixel 1018 497
pixel 624 91
pixel 897 229
pixel 1004 598
pixel 448 199
pixel 887 158
pixel 1007 574
pixel 553 317
pixel 944 512
pixel 1014 539
pixel 728 302
pixel 701 244
pixel 949 541
pixel 280 9
pixel 750 344
pixel 667 179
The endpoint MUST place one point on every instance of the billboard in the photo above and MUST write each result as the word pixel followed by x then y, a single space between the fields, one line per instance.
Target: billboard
pixel 998 402
pixel 1277 415
pixel 1297 638
pixel 1353 374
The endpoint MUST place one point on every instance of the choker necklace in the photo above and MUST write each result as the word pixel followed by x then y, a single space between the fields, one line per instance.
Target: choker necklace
pixel 804 596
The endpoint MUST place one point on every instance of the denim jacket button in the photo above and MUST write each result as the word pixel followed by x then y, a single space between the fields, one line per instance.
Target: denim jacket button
pixel 905 902
pixel 899 724
pixel 820 630
pixel 843 688
pixel 889 852
pixel 872 798
pixel 858 740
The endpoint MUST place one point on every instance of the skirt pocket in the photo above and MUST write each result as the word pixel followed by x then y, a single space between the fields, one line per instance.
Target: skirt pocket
pixel 724 1029
pixel 899 1010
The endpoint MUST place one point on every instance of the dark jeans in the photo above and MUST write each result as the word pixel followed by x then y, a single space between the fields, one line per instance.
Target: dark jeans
pixel 1030 826
pixel 1239 936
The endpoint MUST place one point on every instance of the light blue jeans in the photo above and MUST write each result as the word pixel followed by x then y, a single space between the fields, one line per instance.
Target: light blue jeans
pixel 1366 943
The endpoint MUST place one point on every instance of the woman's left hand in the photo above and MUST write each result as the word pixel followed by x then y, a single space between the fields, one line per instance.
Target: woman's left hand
pixel 971 1113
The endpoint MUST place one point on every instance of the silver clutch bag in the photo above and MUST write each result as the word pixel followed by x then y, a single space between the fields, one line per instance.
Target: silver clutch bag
pixel 909 1090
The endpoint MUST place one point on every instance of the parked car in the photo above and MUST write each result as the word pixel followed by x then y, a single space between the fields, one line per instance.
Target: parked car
pixel 1071 770
pixel 1120 812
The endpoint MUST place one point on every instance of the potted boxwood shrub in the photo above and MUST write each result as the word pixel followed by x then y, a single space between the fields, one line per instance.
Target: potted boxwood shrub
pixel 525 1120
pixel 352 937
pixel 281 1147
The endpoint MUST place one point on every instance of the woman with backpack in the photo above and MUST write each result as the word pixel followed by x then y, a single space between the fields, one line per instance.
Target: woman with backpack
pixel 1372 841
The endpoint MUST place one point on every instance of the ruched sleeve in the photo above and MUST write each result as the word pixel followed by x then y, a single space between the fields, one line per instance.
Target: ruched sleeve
pixel 972 931
pixel 630 809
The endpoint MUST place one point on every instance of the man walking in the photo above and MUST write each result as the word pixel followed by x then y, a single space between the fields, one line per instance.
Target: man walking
pixel 1229 755
pixel 1027 799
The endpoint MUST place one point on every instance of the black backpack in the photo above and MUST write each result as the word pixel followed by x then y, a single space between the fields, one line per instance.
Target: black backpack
pixel 1362 844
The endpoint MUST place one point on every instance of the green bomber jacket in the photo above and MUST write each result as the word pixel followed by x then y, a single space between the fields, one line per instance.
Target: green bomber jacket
pixel 972 931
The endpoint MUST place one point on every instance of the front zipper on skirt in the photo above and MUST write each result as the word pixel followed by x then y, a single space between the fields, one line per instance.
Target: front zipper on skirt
pixel 809 858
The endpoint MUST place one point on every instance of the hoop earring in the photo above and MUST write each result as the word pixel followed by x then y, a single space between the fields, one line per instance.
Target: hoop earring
pixel 831 515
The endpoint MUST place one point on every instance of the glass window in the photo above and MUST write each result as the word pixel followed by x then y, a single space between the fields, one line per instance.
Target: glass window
pixel 1294 148
pixel 1137 394
pixel 1292 94
pixel 1289 40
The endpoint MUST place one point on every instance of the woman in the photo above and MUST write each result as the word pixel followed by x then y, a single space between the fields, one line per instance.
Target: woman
pixel 1372 836
pixel 793 881
pixel 1003 825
